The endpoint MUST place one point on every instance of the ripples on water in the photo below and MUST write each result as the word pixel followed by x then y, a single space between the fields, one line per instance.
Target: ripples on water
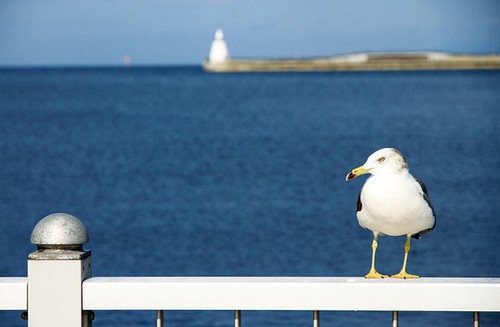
pixel 177 172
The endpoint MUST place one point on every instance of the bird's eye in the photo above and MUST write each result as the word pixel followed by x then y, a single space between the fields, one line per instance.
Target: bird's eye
pixel 380 160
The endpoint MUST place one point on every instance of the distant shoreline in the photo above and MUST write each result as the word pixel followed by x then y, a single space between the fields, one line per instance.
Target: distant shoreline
pixel 101 67
pixel 361 62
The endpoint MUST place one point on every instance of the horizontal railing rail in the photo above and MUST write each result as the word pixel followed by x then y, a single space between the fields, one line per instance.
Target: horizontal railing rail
pixel 291 293
pixel 13 293
pixel 274 293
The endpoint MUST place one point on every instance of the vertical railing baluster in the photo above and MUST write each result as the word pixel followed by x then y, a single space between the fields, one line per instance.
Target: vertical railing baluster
pixel 237 318
pixel 476 319
pixel 159 318
pixel 315 318
pixel 395 319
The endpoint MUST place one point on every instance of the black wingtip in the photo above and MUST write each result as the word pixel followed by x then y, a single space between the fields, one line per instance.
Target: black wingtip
pixel 359 205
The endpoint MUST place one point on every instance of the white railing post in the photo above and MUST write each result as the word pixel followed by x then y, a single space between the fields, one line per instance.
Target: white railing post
pixel 395 319
pixel 476 318
pixel 315 318
pixel 159 318
pixel 237 318
pixel 56 271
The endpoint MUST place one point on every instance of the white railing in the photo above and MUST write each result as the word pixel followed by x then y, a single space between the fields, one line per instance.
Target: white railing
pixel 60 289
pixel 275 293
pixel 291 293
pixel 13 293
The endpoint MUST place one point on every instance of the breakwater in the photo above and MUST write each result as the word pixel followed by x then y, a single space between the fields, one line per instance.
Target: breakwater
pixel 360 62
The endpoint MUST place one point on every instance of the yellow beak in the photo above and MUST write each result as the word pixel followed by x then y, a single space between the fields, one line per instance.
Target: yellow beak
pixel 356 172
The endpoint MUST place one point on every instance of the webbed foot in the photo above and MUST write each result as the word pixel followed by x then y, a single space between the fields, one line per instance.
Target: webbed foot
pixel 404 275
pixel 374 274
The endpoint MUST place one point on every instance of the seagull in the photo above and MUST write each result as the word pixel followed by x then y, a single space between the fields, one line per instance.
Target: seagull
pixel 392 202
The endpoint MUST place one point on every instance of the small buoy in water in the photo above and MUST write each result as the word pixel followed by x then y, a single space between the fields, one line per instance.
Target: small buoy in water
pixel 127 60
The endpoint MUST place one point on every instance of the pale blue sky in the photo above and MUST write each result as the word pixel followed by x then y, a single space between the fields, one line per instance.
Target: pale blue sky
pixel 154 32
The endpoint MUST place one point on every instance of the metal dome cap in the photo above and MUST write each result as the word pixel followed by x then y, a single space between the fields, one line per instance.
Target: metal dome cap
pixel 59 230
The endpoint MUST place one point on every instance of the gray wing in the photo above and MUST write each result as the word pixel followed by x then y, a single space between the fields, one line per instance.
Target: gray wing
pixel 425 195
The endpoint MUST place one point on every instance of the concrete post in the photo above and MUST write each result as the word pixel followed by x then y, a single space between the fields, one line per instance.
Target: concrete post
pixel 56 271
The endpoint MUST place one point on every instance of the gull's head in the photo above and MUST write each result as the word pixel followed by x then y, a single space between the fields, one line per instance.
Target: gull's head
pixel 387 160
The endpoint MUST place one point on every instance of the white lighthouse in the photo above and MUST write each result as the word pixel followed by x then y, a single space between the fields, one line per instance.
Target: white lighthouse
pixel 218 50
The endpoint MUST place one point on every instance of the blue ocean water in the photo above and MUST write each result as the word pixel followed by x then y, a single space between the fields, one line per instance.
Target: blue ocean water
pixel 177 172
